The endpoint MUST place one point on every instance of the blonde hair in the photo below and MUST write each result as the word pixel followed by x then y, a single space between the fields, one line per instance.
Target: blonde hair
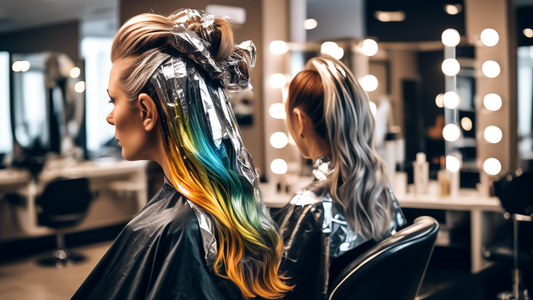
pixel 339 108
pixel 249 246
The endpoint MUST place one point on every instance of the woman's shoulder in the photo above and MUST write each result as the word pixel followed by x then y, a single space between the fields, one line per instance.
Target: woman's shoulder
pixel 168 209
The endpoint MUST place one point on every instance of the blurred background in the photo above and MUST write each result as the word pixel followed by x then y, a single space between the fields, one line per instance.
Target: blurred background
pixel 450 85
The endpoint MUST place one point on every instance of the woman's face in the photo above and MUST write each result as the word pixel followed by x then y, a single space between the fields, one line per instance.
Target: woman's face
pixel 127 119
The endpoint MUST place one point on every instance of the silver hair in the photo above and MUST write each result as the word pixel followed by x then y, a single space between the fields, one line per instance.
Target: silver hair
pixel 359 184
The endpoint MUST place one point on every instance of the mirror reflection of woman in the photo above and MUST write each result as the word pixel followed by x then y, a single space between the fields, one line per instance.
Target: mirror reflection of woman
pixel 348 207
pixel 205 234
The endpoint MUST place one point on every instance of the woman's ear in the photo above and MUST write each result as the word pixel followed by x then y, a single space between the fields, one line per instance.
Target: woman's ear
pixel 300 121
pixel 148 110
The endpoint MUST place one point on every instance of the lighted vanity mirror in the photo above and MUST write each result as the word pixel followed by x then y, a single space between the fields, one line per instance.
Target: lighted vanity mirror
pixel 398 61
pixel 47 103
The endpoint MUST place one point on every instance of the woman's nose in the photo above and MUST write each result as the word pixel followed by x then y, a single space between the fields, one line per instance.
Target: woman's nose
pixel 110 118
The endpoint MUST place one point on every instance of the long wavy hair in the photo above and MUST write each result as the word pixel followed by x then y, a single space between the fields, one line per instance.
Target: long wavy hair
pixel 248 243
pixel 339 108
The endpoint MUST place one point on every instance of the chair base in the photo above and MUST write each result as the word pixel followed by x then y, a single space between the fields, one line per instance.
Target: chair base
pixel 523 295
pixel 60 259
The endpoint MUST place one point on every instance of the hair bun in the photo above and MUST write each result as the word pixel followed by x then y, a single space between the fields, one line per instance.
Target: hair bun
pixel 208 41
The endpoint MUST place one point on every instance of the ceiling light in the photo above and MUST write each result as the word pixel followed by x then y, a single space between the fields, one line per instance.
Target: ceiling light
pixel 390 16
pixel 453 9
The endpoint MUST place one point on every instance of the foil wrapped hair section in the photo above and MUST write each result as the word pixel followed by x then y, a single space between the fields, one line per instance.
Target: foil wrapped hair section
pixel 179 82
pixel 229 71
pixel 188 16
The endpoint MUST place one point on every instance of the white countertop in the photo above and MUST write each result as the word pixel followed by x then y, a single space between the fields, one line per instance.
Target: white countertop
pixel 468 199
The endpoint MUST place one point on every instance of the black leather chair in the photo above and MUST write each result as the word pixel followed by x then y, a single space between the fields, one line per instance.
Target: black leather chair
pixel 63 203
pixel 392 269
pixel 513 242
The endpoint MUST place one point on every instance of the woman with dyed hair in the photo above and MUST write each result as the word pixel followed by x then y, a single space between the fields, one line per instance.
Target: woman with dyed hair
pixel 206 233
pixel 348 207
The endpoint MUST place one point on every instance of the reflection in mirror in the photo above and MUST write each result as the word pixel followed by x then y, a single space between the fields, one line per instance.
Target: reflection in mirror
pixel 525 99
pixel 404 78
pixel 6 139
pixel 101 141
pixel 48 103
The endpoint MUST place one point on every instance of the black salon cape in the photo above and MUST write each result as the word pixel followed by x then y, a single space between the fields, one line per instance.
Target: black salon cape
pixel 158 255
pixel 307 262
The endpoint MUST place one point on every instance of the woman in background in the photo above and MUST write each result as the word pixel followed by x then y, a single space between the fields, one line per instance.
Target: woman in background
pixel 205 234
pixel 348 207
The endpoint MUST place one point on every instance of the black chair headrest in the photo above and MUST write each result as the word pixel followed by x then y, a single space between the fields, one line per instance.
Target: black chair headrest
pixel 399 260
pixel 515 193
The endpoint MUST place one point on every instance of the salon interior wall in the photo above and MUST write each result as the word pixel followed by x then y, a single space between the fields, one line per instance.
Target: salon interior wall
pixel 250 30
pixel 62 37
pixel 480 14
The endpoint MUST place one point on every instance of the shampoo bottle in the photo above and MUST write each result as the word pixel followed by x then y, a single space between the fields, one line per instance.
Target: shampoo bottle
pixel 421 173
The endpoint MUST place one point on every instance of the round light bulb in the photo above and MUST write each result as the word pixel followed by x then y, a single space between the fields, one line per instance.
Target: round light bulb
pixel 452 9
pixel 452 163
pixel 369 83
pixel 328 47
pixel 369 47
pixel 278 80
pixel 489 37
pixel 279 140
pixel 466 123
pixel 373 108
pixel 277 111
pixel 278 166
pixel 451 132
pixel 450 37
pixel 16 67
pixel 79 87
pixel 528 32
pixel 439 100
pixel 491 69
pixel 310 24
pixel 492 102
pixel 338 53
pixel 492 134
pixel 75 72
pixel 451 100
pixel 24 66
pixel 278 47
pixel 450 67
pixel 492 166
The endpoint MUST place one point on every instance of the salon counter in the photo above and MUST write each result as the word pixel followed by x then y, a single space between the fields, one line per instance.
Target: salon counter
pixel 121 187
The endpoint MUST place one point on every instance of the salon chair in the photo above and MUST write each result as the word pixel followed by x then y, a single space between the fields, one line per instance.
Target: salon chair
pixel 392 269
pixel 64 203
pixel 513 243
